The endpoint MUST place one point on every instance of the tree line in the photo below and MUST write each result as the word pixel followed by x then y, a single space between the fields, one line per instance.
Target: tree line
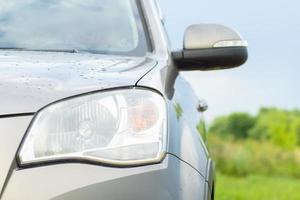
pixel 278 126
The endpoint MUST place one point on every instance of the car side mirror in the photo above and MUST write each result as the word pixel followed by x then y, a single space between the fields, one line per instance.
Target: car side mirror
pixel 210 47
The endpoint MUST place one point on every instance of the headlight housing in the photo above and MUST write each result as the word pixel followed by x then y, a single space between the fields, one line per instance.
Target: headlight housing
pixel 118 127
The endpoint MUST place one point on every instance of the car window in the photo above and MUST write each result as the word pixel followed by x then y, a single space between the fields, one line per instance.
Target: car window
pixel 99 26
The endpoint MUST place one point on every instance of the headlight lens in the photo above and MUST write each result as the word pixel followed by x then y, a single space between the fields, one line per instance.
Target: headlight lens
pixel 121 127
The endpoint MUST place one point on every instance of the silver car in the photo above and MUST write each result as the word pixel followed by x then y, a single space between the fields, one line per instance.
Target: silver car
pixel 93 105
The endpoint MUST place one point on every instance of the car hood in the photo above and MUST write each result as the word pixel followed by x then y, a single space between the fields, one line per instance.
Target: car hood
pixel 31 80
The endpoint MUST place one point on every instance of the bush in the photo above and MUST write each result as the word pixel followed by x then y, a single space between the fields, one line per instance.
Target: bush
pixel 277 126
pixel 236 125
pixel 241 158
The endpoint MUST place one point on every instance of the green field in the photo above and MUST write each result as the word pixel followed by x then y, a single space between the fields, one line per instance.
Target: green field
pixel 255 187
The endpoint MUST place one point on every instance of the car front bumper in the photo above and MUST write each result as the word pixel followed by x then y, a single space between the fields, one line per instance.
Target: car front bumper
pixel 170 180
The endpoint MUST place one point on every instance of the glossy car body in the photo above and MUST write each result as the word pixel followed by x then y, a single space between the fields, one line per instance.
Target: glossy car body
pixel 29 81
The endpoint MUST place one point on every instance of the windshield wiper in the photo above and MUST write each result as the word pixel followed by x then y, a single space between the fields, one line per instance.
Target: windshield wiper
pixel 11 48
pixel 46 50
pixel 55 50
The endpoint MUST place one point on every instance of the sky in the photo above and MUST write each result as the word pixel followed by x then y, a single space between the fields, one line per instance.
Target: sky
pixel 271 76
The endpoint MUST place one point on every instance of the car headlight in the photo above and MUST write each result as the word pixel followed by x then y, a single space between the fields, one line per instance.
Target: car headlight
pixel 120 127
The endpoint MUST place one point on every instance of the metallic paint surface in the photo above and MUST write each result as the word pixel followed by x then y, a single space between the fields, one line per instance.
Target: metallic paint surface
pixel 207 35
pixel 170 180
pixel 31 80
pixel 12 131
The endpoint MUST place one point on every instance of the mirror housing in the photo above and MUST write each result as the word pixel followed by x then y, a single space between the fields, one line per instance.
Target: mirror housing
pixel 211 47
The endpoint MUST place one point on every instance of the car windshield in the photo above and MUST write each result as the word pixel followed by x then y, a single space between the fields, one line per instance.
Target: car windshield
pixel 96 26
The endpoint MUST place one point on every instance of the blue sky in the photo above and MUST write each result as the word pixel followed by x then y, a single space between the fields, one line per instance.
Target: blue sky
pixel 271 76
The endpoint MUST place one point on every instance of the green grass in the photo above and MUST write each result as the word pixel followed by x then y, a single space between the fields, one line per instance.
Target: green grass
pixel 257 187
pixel 248 157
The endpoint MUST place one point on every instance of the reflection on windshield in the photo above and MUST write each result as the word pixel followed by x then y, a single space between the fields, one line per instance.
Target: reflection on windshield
pixel 91 25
